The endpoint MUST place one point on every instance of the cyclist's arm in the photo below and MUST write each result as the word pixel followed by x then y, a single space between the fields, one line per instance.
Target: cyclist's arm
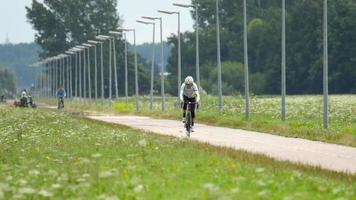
pixel 197 92
pixel 181 92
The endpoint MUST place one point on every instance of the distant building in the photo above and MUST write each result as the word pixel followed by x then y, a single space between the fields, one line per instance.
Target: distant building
pixel 7 40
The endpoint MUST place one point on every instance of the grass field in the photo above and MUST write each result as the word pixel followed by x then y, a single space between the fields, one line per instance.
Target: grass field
pixel 49 155
pixel 304 115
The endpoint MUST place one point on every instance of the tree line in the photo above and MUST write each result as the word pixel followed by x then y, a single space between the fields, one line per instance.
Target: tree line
pixel 7 82
pixel 63 24
pixel 17 57
pixel 303 45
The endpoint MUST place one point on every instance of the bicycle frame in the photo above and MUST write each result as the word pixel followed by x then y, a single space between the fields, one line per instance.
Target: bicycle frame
pixel 188 117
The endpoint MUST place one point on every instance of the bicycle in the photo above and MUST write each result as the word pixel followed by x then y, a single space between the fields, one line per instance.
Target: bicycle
pixel 60 103
pixel 188 117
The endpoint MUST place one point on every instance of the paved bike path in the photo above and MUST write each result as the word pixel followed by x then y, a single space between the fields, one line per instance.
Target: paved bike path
pixel 328 156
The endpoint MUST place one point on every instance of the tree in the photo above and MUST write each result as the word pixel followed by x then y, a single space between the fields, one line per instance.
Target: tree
pixel 304 44
pixel 7 82
pixel 61 24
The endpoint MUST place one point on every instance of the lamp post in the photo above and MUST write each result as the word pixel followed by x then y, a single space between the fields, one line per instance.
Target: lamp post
pixel 102 65
pixel 84 74
pixel 94 43
pixel 71 53
pixel 325 68
pixel 153 59
pixel 283 78
pixel 89 70
pixel 197 38
pixel 67 58
pixel 218 56
pixel 105 37
pixel 179 49
pixel 115 35
pixel 162 60
pixel 126 73
pixel 53 72
pixel 76 80
pixel 79 50
pixel 136 70
pixel 247 88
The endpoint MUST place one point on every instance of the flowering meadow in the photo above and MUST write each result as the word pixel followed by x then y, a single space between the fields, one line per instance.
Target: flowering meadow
pixel 51 155
pixel 304 114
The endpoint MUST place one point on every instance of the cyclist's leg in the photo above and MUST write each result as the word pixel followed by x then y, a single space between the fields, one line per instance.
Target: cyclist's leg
pixel 185 99
pixel 192 109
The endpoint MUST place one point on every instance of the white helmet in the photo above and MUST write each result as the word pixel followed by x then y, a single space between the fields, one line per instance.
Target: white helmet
pixel 189 80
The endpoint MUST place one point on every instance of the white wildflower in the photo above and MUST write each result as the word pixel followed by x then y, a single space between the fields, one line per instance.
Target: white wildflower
pixel 107 197
pixel 81 180
pixel 142 143
pixel 9 178
pixel 45 193
pixel 138 188
pixel 56 186
pixel 96 155
pixel 84 161
pixel 105 174
pixel 27 190
pixel 263 193
pixel 86 175
pixel 260 170
pixel 34 172
pixel 211 187
pixel 22 182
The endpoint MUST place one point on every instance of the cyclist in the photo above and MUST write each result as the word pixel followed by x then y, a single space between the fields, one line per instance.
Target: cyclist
pixel 23 99
pixel 61 94
pixel 189 93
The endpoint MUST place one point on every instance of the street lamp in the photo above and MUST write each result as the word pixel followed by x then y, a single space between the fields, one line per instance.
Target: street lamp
pixel 126 73
pixel 84 74
pixel 67 73
pixel 89 68
pixel 197 38
pixel 116 35
pixel 77 60
pixel 104 38
pixel 247 88
pixel 70 91
pixel 162 60
pixel 153 59
pixel 179 49
pixel 283 80
pixel 325 68
pixel 94 43
pixel 79 50
pixel 218 56
pixel 136 70
pixel 61 74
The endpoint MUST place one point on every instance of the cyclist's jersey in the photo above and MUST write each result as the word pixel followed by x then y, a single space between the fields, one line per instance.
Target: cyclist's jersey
pixel 23 94
pixel 61 93
pixel 190 92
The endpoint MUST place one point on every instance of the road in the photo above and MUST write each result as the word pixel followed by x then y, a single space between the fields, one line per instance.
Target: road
pixel 327 156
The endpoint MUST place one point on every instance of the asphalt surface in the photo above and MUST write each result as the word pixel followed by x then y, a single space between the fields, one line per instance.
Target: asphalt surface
pixel 327 156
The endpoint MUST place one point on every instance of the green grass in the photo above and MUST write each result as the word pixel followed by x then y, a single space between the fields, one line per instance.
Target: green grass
pixel 53 155
pixel 304 115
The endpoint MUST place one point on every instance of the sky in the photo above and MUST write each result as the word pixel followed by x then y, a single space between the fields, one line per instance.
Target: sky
pixel 14 24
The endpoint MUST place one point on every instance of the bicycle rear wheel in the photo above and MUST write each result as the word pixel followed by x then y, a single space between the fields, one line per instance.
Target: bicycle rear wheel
pixel 188 123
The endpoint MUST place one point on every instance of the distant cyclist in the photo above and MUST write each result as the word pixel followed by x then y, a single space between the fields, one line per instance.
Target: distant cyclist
pixel 23 98
pixel 189 93
pixel 61 94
